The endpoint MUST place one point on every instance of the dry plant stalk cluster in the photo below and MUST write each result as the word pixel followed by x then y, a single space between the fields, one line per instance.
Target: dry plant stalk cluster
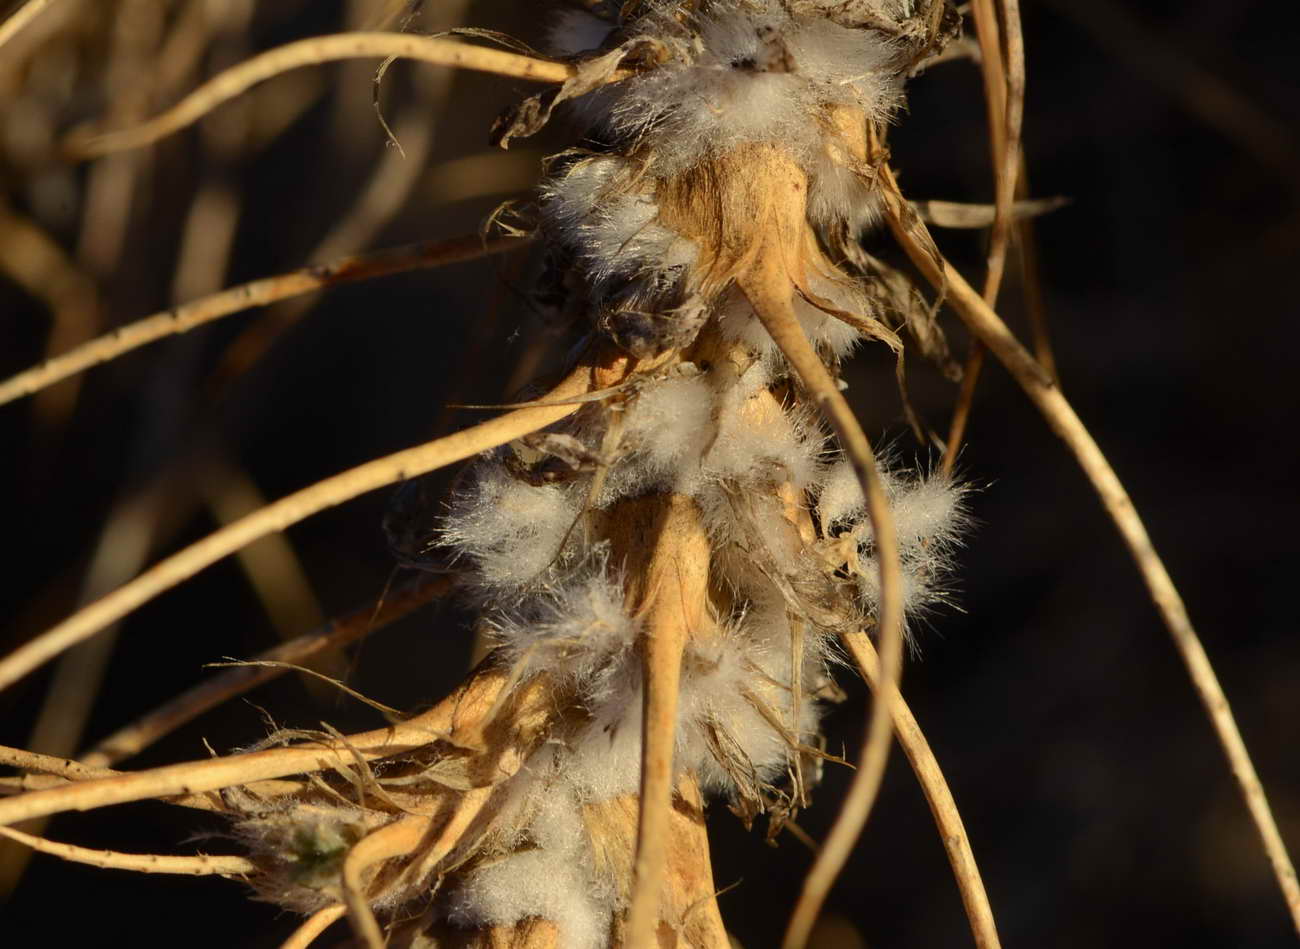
pixel 668 550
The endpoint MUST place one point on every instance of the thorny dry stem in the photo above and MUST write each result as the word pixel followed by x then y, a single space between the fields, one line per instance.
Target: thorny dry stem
pixel 1061 417
pixel 256 293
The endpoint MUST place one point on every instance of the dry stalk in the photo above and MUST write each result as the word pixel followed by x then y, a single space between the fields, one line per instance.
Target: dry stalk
pixel 313 926
pixel 298 506
pixel 671 595
pixel 458 712
pixel 312 52
pixel 1004 96
pixel 262 292
pixel 1061 417
pixel 131 739
pixel 19 19
pixel 198 865
pixel 947 819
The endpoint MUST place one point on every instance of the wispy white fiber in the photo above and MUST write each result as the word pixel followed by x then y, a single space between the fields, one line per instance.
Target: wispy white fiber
pixel 929 517
pixel 509 530
pixel 611 228
pixel 747 72
pixel 551 881
pixel 572 630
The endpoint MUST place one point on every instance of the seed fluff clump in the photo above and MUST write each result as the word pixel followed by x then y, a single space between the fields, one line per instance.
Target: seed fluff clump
pixel 721 186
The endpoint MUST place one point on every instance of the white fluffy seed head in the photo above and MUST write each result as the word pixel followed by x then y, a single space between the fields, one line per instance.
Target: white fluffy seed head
pixel 572 630
pixel 748 72
pixel 511 532
pixel 592 208
pixel 929 518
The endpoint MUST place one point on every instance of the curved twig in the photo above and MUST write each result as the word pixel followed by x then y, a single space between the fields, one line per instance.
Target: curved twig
pixel 313 926
pixel 465 705
pixel 390 841
pixel 1061 417
pixel 288 511
pixel 311 52
pixel 20 18
pixel 140 734
pixel 952 831
pixel 1004 93
pixel 267 290
pixel 769 291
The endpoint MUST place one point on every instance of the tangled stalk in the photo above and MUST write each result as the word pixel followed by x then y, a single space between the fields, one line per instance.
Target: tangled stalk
pixel 667 548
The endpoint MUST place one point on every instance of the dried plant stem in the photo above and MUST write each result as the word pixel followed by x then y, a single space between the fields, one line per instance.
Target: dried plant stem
pixel 313 926
pixel 165 719
pixel 20 18
pixel 1060 415
pixel 675 604
pixel 198 865
pixel 952 831
pixel 393 840
pixel 49 764
pixel 314 51
pixel 288 511
pixel 467 704
pixel 768 289
pixel 261 292
pixel 1004 93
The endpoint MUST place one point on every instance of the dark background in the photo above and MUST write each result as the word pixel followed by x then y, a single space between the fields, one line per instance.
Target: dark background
pixel 1097 800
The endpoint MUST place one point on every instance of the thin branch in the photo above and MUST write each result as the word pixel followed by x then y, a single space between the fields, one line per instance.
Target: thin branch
pixel 48 764
pixel 313 926
pixel 20 18
pixel 463 706
pixel 769 292
pixel 1004 94
pixel 288 511
pixel 312 52
pixel 392 840
pixel 197 865
pixel 261 292
pixel 952 831
pixel 1060 415
pixel 187 706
